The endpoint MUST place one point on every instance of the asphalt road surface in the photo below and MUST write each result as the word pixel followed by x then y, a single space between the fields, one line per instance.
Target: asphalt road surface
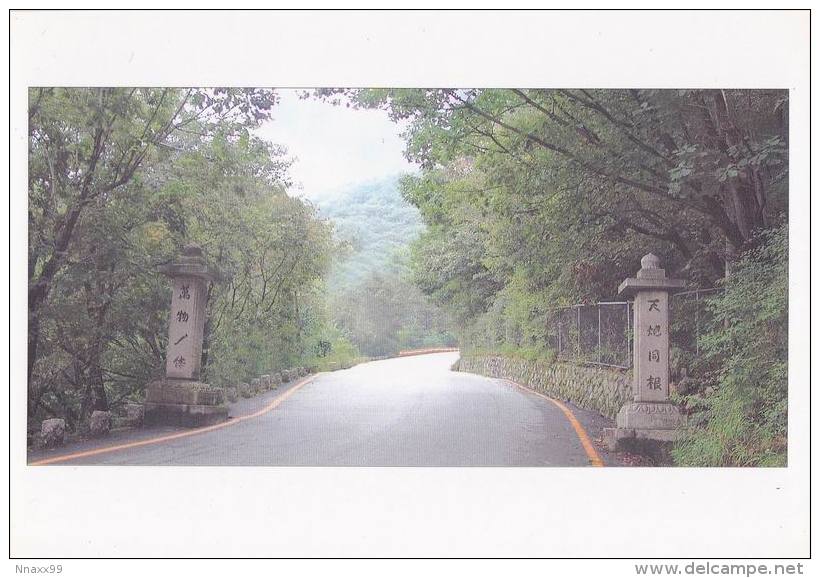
pixel 410 411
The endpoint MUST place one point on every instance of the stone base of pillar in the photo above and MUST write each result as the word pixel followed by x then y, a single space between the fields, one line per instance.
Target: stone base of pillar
pixel 643 421
pixel 650 415
pixel 184 415
pixel 184 403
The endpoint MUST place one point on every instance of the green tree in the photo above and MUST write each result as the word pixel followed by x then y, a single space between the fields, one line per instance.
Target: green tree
pixel 539 198
pixel 558 193
pixel 120 180
pixel 86 145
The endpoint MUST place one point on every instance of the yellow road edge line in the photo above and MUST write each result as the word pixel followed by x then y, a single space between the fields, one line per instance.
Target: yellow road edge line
pixel 594 459
pixel 412 352
pixel 275 402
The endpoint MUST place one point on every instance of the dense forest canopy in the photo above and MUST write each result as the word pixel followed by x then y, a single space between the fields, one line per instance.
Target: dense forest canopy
pixel 552 196
pixel 120 180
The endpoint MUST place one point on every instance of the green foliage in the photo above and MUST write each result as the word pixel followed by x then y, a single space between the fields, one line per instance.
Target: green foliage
pixel 558 193
pixel 372 297
pixel 119 181
pixel 375 223
pixel 534 199
pixel 742 421
pixel 386 314
pixel 527 200
pixel 339 351
pixel 535 353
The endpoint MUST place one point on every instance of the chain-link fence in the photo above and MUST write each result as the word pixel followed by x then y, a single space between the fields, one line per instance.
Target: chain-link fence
pixel 599 334
pixel 691 317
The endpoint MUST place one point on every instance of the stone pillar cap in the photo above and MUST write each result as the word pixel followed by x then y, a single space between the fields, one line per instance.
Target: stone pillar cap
pixel 651 277
pixel 191 263
pixel 194 250
pixel 650 261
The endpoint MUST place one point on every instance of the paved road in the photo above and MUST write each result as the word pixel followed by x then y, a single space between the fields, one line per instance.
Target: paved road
pixel 410 411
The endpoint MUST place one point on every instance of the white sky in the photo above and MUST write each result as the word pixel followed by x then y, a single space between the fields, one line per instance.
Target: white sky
pixel 334 146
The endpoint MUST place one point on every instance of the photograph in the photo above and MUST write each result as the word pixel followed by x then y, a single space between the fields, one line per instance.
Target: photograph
pixel 536 277
pixel 356 284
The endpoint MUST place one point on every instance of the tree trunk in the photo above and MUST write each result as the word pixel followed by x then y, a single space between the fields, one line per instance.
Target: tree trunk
pixel 99 398
pixel 33 346
pixel 96 397
pixel 730 256
pixel 745 191
pixel 40 287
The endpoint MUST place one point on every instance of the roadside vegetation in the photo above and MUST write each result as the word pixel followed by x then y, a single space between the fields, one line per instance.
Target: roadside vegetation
pixel 526 200
pixel 119 181
pixel 740 403
pixel 534 199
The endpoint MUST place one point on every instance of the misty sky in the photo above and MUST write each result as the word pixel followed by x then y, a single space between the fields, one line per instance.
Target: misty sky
pixel 334 146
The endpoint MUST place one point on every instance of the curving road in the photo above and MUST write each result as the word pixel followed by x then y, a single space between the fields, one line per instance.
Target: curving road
pixel 410 411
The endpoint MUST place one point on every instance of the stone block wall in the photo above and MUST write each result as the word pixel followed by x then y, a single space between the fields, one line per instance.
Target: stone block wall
pixel 601 389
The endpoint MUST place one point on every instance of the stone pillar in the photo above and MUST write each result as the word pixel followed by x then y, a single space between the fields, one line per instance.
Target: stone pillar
pixel 181 398
pixel 650 416
pixel 186 326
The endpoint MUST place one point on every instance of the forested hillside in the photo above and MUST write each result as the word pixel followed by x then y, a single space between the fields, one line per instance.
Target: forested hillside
pixel 375 222
pixel 539 198
pixel 370 290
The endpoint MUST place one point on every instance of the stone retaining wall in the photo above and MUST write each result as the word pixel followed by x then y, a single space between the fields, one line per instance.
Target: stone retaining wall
pixel 600 389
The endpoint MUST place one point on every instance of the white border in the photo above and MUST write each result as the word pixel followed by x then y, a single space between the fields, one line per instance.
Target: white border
pixel 55 511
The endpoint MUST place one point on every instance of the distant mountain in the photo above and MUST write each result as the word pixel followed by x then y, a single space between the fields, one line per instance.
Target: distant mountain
pixel 378 223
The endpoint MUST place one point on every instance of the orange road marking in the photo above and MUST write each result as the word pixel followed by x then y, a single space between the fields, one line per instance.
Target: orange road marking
pixel 409 352
pixel 276 402
pixel 592 453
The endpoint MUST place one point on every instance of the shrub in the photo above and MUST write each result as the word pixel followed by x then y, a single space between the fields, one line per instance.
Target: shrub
pixel 742 421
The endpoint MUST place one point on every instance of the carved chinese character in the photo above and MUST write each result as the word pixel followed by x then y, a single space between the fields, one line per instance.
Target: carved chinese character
pixel 653 382
pixel 178 341
pixel 179 361
pixel 654 331
pixel 184 292
pixel 653 304
pixel 655 355
pixel 182 316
